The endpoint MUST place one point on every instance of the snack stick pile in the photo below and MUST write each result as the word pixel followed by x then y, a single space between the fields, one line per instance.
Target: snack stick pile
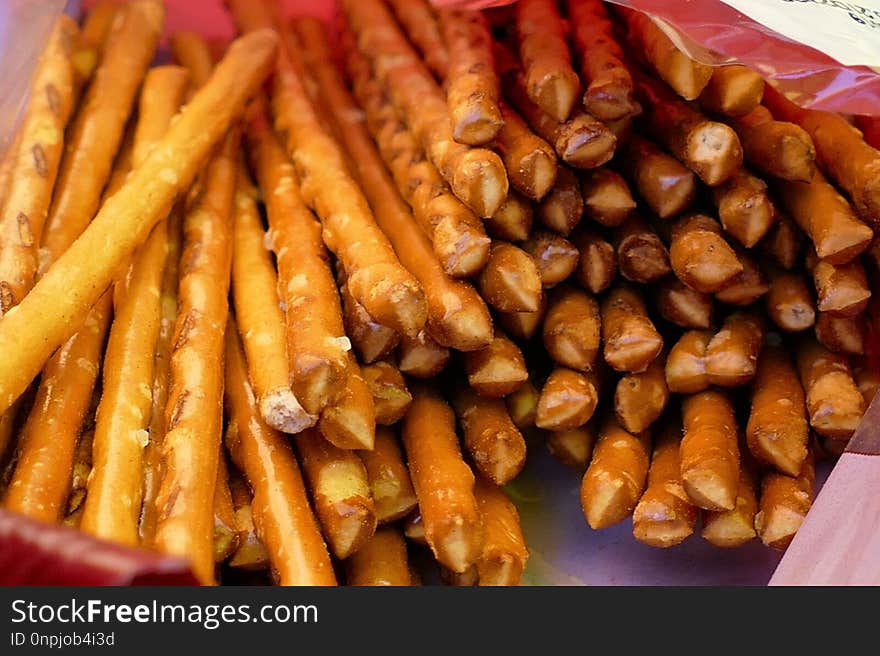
pixel 290 307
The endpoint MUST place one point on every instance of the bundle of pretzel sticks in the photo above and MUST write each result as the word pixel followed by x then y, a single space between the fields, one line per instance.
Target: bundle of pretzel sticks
pixel 293 305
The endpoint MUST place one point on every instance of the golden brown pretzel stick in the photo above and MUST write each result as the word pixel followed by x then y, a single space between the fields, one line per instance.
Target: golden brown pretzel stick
pixel 259 317
pixel 666 185
pixel 381 560
pixel 225 536
pixel 510 281
pixel 562 207
pixel 376 278
pixel 391 398
pixel 113 506
pixel 316 341
pixel 609 88
pixel 682 305
pixel 573 447
pixel 744 207
pixel 785 501
pixel 66 291
pixel 631 342
pixel 708 148
pixel 834 403
pixel 556 257
pixel 709 451
pixel 568 400
pixel 161 365
pixel 476 175
pixel 522 404
pixel 607 198
pixel 841 290
pixel 841 334
pixel 41 480
pixel 523 325
pixel 443 482
pixel 581 141
pixel 251 554
pixel 421 357
pixel 420 22
pixel 504 554
pixel 370 339
pixel 414 528
pixel 783 150
pixel 192 51
pixel 641 256
pixel 572 328
pixel 495 445
pixel 390 484
pixel 472 86
pixel 783 242
pixel 664 516
pixel 777 433
pixel 530 161
pixel 95 133
pixel 457 236
pixel 282 515
pixel 828 219
pixel 349 422
pixel 735 527
pixel 340 492
pixel 194 413
pixel 82 468
pixel 639 399
pixel 513 220
pixel 496 370
pixel 733 90
pixel 732 354
pixel 550 80
pixel 748 285
pixel 615 480
pixel 700 256
pixel 686 76
pixel 840 150
pixel 91 40
pixel 789 301
pixel 686 364
pixel 597 265
pixel 456 315
pixel 33 165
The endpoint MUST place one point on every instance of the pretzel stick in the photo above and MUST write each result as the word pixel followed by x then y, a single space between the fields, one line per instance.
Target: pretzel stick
pixel 510 281
pixel 732 354
pixel 370 339
pixel 82 468
pixel 868 382
pixel 91 41
pixel 573 447
pixel 783 150
pixel 350 422
pixel 522 405
pixel 733 90
pixel 282 516
pixel 842 334
pixel 710 462
pixel 45 319
pixel 639 399
pixel 391 398
pixel 834 403
pixel 735 527
pixel 568 400
pixel 456 316
pixel 609 87
pixel 631 342
pixel 316 341
pixel 572 328
pixel 597 264
pixel 783 242
pixel 746 287
pixel 777 432
pixel 380 561
pixel 421 357
pixel 457 236
pixel 95 133
pixel 225 536
pixel 251 554
pixel 493 442
pixel 841 290
pixel 789 302
pixel 708 148
pixel 523 325
pixel 607 198
pixel 683 306
pixel 472 86
pixel 664 516
pixel 530 161
pixel 504 554
pixel 496 370
pixel 745 209
pixel 562 208
pixel 390 484
pixel 41 480
pixel 785 501
pixel 420 22
pixel 641 256
pixel 686 364
pixel 34 165
pixel 555 256
pixel 476 175
pixel 700 256
pixel 666 185
pixel 615 480
pixel 443 482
